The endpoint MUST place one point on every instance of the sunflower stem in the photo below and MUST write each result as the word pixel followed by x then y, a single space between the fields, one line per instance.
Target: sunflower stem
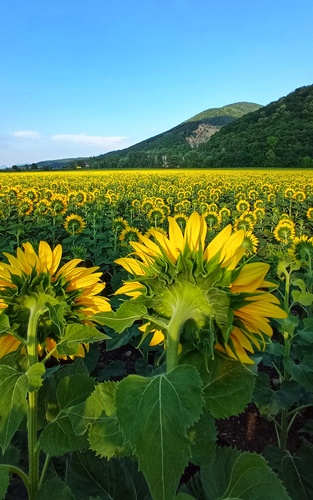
pixel 33 448
pixel 172 343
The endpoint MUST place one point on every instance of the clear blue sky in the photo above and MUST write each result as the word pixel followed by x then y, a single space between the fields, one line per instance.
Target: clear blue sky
pixel 83 77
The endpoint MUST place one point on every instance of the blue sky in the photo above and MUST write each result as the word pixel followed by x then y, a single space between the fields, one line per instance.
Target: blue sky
pixel 83 77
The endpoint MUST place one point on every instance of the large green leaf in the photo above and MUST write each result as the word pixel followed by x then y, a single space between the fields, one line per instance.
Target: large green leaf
pixel 154 414
pixel 203 438
pixel 124 317
pixel 55 489
pixel 302 372
pixel 76 334
pixel 4 481
pixel 227 385
pixel 58 437
pixel 116 479
pixel 296 472
pixel 244 476
pixel 13 403
pixel 99 412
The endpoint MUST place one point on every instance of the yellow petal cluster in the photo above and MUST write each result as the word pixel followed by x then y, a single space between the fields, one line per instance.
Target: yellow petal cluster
pixel 80 286
pixel 251 320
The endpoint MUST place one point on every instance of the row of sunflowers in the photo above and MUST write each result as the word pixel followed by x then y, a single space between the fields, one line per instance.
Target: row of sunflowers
pixel 197 270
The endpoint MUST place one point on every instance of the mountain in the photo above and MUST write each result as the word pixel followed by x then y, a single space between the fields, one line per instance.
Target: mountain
pixel 277 135
pixel 162 150
pixel 240 135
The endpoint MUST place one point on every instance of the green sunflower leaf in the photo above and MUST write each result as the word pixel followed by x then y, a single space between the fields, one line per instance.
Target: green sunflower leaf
pixel 4 323
pixel 13 403
pixel 4 481
pixel 99 413
pixel 93 477
pixel 236 475
pixel 227 384
pixel 54 489
pixel 154 414
pixel 35 376
pixel 76 334
pixel 129 312
pixel 203 438
pixel 58 437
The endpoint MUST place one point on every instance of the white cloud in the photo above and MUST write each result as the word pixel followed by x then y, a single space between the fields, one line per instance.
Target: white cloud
pixel 90 140
pixel 26 134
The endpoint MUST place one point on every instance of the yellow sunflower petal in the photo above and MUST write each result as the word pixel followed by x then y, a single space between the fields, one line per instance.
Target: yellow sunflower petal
pixel 158 338
pixel 131 288
pixel 250 277
pixel 217 243
pixel 131 265
pixel 175 234
pixel 8 344
pixel 195 232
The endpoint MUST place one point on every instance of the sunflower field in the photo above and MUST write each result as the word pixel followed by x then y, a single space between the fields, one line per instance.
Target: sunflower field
pixel 204 278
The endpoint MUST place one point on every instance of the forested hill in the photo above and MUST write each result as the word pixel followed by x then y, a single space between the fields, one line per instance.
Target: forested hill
pixel 175 147
pixel 277 135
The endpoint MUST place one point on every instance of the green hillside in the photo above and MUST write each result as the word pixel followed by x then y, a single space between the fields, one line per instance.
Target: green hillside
pixel 236 110
pixel 277 135
pixel 175 147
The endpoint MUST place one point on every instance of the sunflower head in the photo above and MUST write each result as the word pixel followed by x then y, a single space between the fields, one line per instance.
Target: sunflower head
pixel 74 224
pixel 63 295
pixel 302 249
pixel 183 281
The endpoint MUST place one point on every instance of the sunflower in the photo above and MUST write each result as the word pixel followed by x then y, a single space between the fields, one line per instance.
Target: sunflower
pixel 74 224
pixel 25 206
pixel 243 206
pixel 119 223
pixel 130 233
pixel 250 243
pixel 258 204
pixel 156 215
pixel 289 193
pixel 58 205
pixel 299 196
pixel 31 278
pixel 213 219
pixel 302 248
pixel 224 213
pixel 259 214
pixel 42 207
pixel 284 232
pixel 182 280
pixel 181 219
pixel 309 213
